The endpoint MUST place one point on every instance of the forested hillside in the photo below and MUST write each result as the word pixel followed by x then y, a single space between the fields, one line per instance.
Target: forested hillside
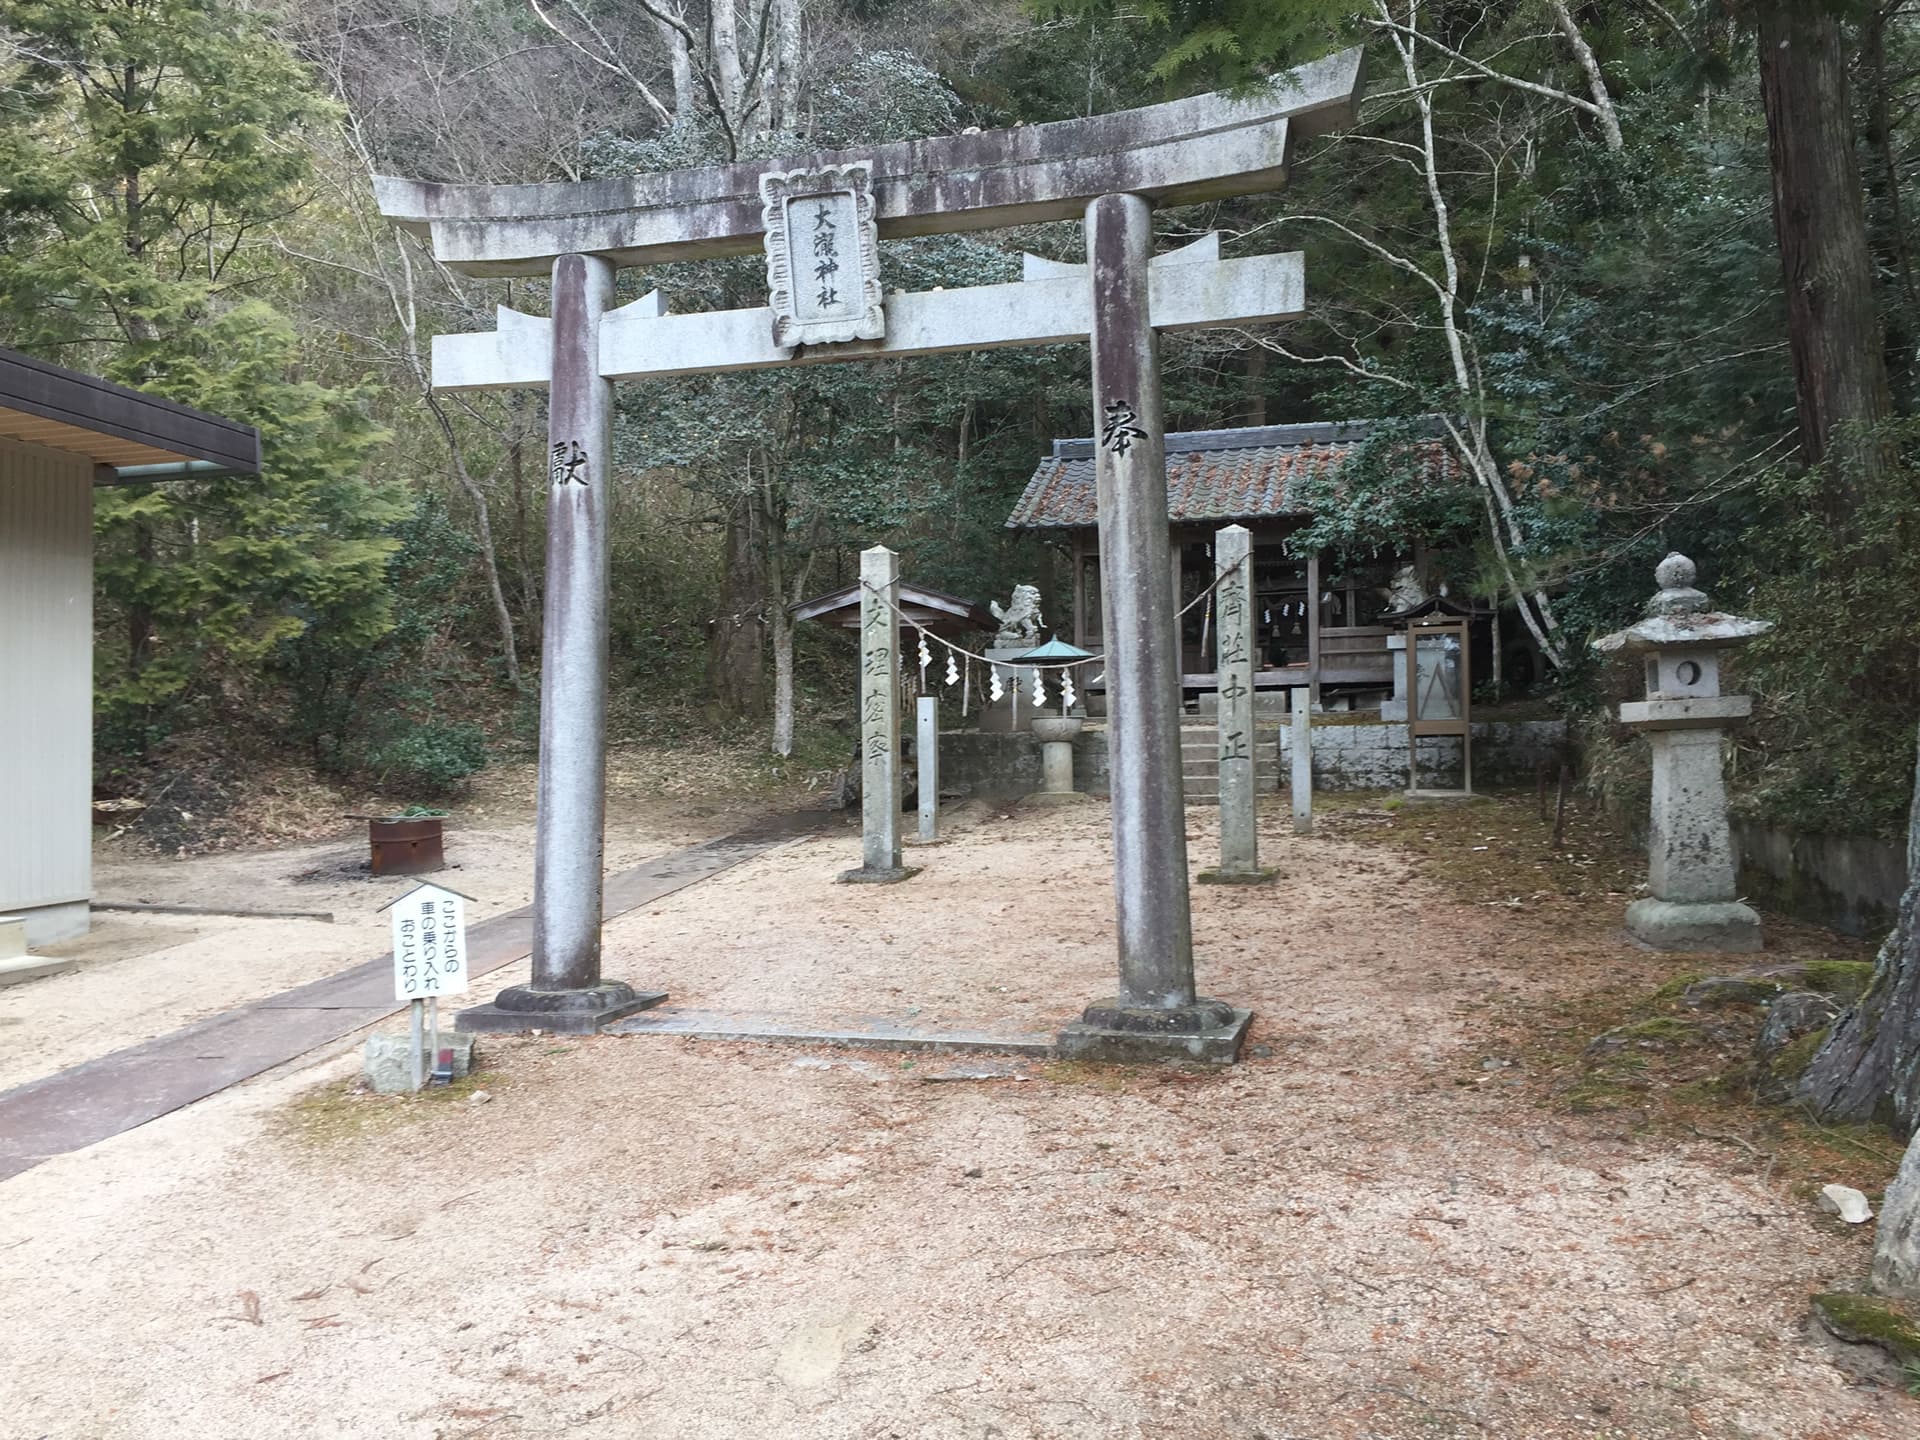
pixel 1561 226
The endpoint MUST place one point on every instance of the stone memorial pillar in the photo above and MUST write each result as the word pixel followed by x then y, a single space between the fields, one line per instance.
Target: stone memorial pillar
pixel 1233 667
pixel 879 721
pixel 1156 1014
pixel 1694 899
pixel 566 992
pixel 1300 781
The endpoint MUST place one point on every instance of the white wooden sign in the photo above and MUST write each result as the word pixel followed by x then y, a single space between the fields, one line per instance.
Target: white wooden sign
pixel 429 944
pixel 823 256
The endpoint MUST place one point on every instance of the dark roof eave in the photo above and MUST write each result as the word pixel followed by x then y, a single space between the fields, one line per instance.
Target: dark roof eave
pixel 55 396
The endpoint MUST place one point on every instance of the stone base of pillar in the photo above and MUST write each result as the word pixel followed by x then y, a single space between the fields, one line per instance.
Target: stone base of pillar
pixel 1724 925
pixel 1235 877
pixel 1208 1031
pixel 862 875
pixel 521 1008
pixel 918 844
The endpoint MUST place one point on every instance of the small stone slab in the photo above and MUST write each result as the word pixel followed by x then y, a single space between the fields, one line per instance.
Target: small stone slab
pixel 1209 1032
pixel 32 967
pixel 386 1064
pixel 1235 877
pixel 865 1034
pixel 570 1019
pixel 861 875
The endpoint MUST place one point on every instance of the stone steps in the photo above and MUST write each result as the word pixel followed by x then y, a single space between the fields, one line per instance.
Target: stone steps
pixel 1200 762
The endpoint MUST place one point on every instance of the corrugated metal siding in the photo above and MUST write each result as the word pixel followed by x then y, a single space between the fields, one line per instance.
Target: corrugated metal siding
pixel 46 676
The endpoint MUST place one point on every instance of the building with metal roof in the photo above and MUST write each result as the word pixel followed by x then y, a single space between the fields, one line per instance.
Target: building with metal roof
pixel 61 435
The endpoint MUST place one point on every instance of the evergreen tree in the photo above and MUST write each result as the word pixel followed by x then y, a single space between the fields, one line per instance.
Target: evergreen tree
pixel 145 148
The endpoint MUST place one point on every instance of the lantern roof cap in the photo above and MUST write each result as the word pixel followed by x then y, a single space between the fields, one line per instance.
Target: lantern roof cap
pixel 1054 650
pixel 1678 617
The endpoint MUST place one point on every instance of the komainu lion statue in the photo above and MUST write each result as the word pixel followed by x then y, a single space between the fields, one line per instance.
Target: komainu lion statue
pixel 1020 622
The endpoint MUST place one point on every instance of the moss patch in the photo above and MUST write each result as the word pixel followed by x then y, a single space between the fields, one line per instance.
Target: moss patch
pixel 341 1112
pixel 1675 988
pixel 1792 1062
pixel 1845 980
pixel 1871 1320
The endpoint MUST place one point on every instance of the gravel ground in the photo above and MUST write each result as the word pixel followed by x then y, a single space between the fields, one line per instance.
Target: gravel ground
pixel 1363 1231
pixel 142 975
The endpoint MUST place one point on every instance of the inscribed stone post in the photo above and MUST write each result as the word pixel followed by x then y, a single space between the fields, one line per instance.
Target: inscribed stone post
pixel 1233 664
pixel 879 720
pixel 1300 782
pixel 1156 1013
pixel 566 992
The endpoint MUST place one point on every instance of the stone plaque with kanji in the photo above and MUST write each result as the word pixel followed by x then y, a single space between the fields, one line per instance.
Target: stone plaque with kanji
pixel 823 256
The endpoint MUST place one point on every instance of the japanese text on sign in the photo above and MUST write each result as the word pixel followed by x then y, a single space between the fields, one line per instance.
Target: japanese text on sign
pixel 823 257
pixel 429 944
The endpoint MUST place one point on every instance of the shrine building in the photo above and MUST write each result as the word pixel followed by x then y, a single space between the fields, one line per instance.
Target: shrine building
pixel 1319 627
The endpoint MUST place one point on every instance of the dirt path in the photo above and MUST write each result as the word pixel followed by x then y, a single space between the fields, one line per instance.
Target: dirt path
pixel 1364 1231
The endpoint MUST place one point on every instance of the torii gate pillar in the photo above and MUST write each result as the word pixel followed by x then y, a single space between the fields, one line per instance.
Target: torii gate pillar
pixel 1156 1015
pixel 1109 168
pixel 566 992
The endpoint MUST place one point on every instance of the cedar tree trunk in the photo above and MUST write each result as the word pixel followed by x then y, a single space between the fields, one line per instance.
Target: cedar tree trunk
pixel 1819 217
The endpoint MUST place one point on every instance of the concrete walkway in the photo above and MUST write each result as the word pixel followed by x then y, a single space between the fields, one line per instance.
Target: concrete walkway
pixel 85 1104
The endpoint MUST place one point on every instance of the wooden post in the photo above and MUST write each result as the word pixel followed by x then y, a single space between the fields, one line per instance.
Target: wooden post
pixel 1313 631
pixel 1079 590
pixel 1178 572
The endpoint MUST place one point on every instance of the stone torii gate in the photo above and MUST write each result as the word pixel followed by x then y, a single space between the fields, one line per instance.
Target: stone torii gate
pixel 819 219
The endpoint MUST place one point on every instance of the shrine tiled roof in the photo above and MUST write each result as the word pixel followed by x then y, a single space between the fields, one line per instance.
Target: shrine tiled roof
pixel 1247 474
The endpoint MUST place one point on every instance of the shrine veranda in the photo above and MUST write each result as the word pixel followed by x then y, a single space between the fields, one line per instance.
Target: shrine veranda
pixel 819 220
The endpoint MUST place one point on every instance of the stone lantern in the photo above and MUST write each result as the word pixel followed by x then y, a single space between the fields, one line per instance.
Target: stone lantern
pixel 1694 902
pixel 1056 733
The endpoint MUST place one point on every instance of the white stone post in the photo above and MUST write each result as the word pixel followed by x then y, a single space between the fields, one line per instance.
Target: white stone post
pixel 1157 1013
pixel 1300 783
pixel 1233 667
pixel 926 757
pixel 879 721
pixel 566 992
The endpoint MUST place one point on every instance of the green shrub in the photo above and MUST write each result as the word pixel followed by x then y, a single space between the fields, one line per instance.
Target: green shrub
pixel 429 757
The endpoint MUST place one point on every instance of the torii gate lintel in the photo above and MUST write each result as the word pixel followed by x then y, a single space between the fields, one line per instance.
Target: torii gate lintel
pixel 819 219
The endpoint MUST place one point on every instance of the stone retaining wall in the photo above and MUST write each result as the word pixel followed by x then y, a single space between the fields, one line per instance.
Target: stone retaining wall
pixel 1849 883
pixel 1345 757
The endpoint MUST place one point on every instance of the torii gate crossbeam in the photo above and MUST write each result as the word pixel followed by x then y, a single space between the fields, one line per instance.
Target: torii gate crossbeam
pixel 819 217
